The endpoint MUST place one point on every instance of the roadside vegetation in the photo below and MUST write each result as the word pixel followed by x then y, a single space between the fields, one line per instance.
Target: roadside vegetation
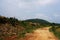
pixel 55 29
pixel 12 27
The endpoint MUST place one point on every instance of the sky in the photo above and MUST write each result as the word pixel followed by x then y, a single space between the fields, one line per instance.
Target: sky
pixel 28 9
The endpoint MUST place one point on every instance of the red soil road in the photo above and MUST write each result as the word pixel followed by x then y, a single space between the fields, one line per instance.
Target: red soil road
pixel 40 34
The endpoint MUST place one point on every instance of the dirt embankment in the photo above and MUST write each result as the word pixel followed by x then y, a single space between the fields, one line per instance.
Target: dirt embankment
pixel 40 34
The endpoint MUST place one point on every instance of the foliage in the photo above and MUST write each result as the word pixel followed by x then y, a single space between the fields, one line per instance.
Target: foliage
pixel 12 26
pixel 55 29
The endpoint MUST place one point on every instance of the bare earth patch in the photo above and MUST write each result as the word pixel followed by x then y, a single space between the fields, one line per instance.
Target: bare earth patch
pixel 40 34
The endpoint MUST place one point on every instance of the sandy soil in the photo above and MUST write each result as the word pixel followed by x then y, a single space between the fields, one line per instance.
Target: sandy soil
pixel 40 34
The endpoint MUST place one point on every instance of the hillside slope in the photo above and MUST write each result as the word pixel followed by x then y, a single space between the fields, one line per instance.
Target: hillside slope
pixel 14 29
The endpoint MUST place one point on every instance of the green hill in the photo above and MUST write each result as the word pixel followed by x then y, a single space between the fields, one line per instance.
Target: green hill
pixel 37 21
pixel 40 21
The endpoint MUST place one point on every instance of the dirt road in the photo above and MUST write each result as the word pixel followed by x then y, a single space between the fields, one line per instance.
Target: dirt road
pixel 41 34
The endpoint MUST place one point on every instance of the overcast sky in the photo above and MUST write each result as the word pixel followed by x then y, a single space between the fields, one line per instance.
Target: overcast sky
pixel 26 9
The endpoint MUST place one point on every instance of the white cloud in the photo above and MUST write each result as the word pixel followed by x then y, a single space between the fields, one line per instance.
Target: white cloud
pixel 28 4
pixel 21 7
pixel 56 15
pixel 36 4
pixel 43 2
pixel 43 16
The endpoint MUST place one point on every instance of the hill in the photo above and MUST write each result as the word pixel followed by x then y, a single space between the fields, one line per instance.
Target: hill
pixel 13 29
pixel 40 21
pixel 37 21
